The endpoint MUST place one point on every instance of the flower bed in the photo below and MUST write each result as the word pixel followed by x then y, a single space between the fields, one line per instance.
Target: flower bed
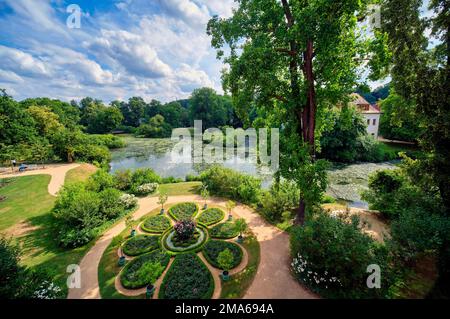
pixel 187 278
pixel 142 270
pixel 156 224
pixel 176 246
pixel 224 231
pixel 213 248
pixel 211 216
pixel 140 244
pixel 183 211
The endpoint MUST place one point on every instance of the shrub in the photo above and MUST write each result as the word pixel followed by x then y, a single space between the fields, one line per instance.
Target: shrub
pixel 211 216
pixel 193 178
pixel 225 259
pixel 183 211
pixel 100 180
pixel 224 231
pixel 143 176
pixel 107 140
pixel 156 224
pixel 128 201
pixel 171 180
pixel 111 205
pixel 184 229
pixel 213 248
pixel 146 189
pixel 187 278
pixel 281 197
pixel 332 255
pixel 133 277
pixel 123 179
pixel 140 244
pixel 229 183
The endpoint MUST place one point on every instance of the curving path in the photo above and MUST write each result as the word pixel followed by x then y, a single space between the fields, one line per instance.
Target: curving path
pixel 56 171
pixel 273 279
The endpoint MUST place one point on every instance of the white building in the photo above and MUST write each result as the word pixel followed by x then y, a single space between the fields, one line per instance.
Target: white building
pixel 371 114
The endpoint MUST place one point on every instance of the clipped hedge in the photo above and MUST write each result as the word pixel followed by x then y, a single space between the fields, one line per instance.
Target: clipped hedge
pixel 211 216
pixel 180 250
pixel 213 248
pixel 156 224
pixel 225 230
pixel 187 278
pixel 140 244
pixel 132 278
pixel 183 211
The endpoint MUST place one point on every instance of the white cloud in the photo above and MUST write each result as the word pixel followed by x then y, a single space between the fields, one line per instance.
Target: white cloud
pixel 189 11
pixel 22 63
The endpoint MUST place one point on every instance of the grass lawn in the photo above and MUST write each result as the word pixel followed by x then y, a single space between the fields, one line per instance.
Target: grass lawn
pixel 238 284
pixel 25 216
pixel 80 173
pixel 185 188
pixel 108 268
pixel 26 197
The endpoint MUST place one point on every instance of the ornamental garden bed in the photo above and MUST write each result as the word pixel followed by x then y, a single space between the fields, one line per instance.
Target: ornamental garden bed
pixel 144 270
pixel 141 244
pixel 183 211
pixel 211 216
pixel 187 278
pixel 156 224
pixel 224 231
pixel 213 248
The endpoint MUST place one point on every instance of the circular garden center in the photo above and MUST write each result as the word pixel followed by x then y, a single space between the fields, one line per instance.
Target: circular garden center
pixel 184 253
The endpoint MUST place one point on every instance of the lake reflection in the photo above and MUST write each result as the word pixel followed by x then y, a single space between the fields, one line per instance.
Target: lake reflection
pixel 345 181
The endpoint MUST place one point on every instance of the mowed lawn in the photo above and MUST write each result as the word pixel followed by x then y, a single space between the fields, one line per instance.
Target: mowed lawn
pixel 185 188
pixel 25 216
pixel 80 174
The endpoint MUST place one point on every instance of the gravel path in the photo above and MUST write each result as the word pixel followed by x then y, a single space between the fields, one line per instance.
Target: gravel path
pixel 273 279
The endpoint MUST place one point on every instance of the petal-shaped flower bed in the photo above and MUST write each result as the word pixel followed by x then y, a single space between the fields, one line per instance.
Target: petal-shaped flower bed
pixel 213 248
pixel 156 224
pixel 144 269
pixel 187 278
pixel 140 244
pixel 211 216
pixel 183 211
pixel 224 231
pixel 171 243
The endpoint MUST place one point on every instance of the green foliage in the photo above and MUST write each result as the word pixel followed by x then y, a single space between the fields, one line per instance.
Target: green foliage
pixel 225 259
pixel 282 196
pixel 140 244
pixel 213 248
pixel 331 256
pixel 98 118
pixel 143 176
pixel 209 107
pixel 229 183
pixel 183 211
pixel 123 179
pixel 187 278
pixel 144 270
pixel 155 128
pixel 100 181
pixel 241 226
pixel 224 231
pixel 156 224
pixel 211 216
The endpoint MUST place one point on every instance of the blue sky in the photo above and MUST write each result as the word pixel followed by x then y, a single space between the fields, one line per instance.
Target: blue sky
pixel 150 48
pixel 157 49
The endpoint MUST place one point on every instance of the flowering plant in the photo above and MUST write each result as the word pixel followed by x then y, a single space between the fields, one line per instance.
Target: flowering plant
pixel 146 188
pixel 306 273
pixel 128 200
pixel 184 229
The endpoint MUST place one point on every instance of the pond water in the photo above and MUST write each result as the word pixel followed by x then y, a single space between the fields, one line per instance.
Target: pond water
pixel 345 181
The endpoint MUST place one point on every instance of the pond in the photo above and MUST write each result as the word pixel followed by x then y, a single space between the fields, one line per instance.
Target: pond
pixel 345 181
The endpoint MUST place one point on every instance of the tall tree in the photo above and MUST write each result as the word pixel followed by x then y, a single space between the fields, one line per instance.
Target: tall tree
pixel 291 59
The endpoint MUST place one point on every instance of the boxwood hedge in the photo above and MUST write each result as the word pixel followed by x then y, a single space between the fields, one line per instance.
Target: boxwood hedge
pixel 183 211
pixel 213 248
pixel 211 216
pixel 140 244
pixel 224 231
pixel 156 224
pixel 132 276
pixel 187 278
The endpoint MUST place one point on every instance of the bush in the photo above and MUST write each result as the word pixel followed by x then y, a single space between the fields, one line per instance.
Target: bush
pixel 137 274
pixel 331 257
pixel 229 183
pixel 100 180
pixel 213 248
pixel 183 211
pixel 193 178
pixel 140 244
pixel 224 231
pixel 211 216
pixel 184 230
pixel 107 140
pixel 281 197
pixel 144 176
pixel 145 189
pixel 156 224
pixel 128 201
pixel 171 180
pixel 111 205
pixel 370 150
pixel 122 179
pixel 187 278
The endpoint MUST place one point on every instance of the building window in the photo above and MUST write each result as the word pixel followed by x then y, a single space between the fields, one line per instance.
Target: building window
pixel 368 122
pixel 374 121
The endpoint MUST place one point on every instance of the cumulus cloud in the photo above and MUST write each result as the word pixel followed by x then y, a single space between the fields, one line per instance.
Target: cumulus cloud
pixel 22 63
